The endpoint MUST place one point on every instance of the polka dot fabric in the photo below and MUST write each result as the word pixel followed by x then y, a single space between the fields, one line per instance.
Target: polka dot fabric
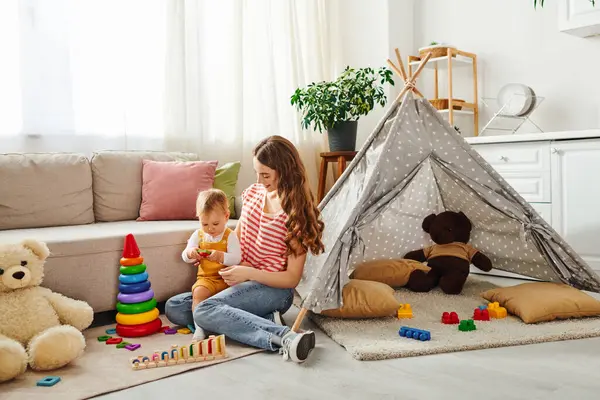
pixel 414 164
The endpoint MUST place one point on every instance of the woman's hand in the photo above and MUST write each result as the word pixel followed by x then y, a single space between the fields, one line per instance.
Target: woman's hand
pixel 237 274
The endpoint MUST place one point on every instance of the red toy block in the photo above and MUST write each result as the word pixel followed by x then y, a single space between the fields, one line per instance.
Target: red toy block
pixel 114 340
pixel 130 248
pixel 481 315
pixel 450 318
pixel 164 328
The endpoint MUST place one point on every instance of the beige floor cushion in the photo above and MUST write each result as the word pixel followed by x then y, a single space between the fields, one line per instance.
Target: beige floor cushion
pixel 544 301
pixel 394 273
pixel 365 299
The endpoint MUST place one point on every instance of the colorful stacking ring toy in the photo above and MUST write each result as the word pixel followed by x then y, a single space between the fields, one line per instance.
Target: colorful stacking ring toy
pixel 131 261
pixel 138 319
pixel 139 330
pixel 137 278
pixel 128 288
pixel 136 308
pixel 133 270
pixel 135 297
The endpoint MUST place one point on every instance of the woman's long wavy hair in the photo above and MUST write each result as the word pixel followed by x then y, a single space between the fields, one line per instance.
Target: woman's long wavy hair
pixel 304 226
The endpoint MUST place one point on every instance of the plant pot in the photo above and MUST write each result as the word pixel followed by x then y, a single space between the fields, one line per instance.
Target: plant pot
pixel 342 137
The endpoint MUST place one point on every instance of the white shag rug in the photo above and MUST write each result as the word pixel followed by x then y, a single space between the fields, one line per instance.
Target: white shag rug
pixel 378 339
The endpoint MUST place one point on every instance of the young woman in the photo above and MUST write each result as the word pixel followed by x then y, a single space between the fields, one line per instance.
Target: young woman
pixel 279 224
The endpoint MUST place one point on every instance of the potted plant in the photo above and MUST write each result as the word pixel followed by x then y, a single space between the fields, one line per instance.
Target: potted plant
pixel 336 106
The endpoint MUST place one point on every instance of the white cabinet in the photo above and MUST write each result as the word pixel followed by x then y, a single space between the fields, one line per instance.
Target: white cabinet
pixel 576 196
pixel 579 17
pixel 561 181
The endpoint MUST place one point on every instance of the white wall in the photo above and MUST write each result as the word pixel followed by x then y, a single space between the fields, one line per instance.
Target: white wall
pixel 516 43
pixel 363 31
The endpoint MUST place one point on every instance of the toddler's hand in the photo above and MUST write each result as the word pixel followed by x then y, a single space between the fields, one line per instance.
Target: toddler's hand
pixel 216 256
pixel 193 254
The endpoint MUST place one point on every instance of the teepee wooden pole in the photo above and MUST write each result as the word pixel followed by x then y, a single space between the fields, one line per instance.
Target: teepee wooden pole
pixel 409 82
pixel 421 66
pixel 396 69
pixel 404 75
pixel 299 319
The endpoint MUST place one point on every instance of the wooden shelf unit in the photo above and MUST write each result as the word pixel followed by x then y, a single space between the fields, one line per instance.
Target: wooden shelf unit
pixel 454 58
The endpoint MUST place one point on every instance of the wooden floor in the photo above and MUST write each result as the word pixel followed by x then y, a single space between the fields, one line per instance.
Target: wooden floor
pixel 568 370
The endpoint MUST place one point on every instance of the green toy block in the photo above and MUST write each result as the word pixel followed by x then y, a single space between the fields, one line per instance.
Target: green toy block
pixel 467 325
pixel 122 345
pixel 104 338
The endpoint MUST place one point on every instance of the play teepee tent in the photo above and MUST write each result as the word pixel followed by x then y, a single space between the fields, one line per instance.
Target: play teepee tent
pixel 414 164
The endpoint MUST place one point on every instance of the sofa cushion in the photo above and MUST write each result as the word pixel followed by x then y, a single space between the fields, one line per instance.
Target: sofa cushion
pixel 226 178
pixel 84 259
pixel 170 188
pixel 45 189
pixel 117 177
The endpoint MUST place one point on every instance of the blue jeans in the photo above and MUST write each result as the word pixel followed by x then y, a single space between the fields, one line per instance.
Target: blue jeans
pixel 243 312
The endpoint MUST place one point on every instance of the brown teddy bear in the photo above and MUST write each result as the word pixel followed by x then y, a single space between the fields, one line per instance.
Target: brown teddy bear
pixel 451 256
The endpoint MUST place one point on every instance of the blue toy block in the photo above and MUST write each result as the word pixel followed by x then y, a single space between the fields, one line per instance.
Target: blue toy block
pixel 112 331
pixel 414 333
pixel 482 307
pixel 192 328
pixel 48 381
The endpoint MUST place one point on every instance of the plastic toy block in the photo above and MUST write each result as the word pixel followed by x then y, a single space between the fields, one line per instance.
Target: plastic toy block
pixel 130 248
pixel 414 333
pixel 48 381
pixel 192 328
pixel 467 325
pixel 496 311
pixel 132 347
pixel 405 311
pixel 184 331
pixel 164 328
pixel 111 331
pixel 170 331
pixel 450 318
pixel 482 307
pixel 104 338
pixel 481 315
pixel 122 345
pixel 114 340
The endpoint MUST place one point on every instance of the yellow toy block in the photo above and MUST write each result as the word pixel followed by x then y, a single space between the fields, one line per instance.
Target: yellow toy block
pixel 184 331
pixel 496 311
pixel 405 311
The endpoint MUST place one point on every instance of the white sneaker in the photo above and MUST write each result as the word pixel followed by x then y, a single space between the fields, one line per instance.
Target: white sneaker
pixel 198 334
pixel 297 346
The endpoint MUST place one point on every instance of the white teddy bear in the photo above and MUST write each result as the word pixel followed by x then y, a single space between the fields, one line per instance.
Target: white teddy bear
pixel 37 326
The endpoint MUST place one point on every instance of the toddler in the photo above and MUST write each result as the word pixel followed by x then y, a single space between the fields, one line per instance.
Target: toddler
pixel 211 247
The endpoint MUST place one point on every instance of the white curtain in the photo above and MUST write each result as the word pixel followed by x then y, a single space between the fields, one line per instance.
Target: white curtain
pixel 73 68
pixel 232 67
pixel 207 76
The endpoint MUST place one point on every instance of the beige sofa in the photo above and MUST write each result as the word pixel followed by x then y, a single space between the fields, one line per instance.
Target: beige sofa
pixel 83 208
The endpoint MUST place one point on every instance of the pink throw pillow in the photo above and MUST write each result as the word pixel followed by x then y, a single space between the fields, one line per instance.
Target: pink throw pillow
pixel 170 188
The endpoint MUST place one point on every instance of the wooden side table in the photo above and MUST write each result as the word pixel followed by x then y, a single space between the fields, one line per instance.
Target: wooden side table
pixel 341 157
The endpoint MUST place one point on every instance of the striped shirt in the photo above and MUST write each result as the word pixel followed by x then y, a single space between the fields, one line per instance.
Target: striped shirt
pixel 262 235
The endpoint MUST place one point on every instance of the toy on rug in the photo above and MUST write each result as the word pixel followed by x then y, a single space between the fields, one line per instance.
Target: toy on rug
pixel 35 318
pixel 451 256
pixel 137 313
pixel 405 311
pixel 212 348
pixel 496 311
